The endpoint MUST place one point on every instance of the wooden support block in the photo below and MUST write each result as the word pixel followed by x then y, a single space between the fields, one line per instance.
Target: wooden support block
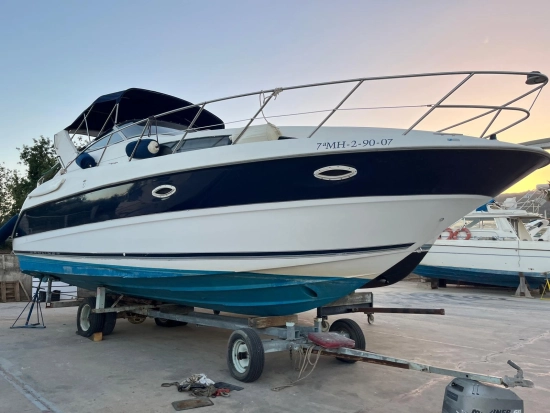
pixel 352 299
pixel 97 336
pixel 3 292
pixel 25 291
pixel 277 321
pixel 17 294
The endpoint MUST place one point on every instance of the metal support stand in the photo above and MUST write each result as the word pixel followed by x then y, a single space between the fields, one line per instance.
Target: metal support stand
pixel 49 292
pixel 523 288
pixel 39 315
pixel 100 298
pixel 545 289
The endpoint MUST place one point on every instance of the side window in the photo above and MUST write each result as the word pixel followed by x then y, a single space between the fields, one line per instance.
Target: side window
pixel 489 224
pixel 473 223
pixel 132 131
pixel 115 138
pixel 458 224
pixel 203 143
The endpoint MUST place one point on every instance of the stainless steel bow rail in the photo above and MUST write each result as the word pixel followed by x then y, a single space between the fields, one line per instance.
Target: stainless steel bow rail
pixel 535 79
pixel 246 350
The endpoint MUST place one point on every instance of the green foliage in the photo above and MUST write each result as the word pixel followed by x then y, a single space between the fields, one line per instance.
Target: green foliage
pixel 6 199
pixel 37 159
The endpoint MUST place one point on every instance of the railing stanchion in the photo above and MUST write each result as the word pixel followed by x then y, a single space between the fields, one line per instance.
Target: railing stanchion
pixel 490 123
pixel 438 103
pixel 139 139
pixel 180 142
pixel 336 108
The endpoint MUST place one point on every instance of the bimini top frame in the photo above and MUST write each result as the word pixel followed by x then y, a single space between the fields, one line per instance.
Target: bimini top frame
pixel 535 79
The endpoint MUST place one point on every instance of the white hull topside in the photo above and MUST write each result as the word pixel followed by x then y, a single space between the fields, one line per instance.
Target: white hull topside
pixel 288 226
pixel 527 257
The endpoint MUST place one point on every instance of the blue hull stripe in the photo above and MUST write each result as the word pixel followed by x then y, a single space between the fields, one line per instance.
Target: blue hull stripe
pixel 244 293
pixel 222 255
pixel 480 276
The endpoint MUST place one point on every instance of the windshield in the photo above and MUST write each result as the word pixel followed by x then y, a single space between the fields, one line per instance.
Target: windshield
pixel 102 142
pixel 157 127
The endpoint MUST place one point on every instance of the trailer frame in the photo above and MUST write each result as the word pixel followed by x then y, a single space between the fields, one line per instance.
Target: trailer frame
pixel 246 349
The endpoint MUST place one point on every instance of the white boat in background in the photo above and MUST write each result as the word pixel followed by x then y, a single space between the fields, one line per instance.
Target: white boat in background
pixel 494 245
pixel 169 204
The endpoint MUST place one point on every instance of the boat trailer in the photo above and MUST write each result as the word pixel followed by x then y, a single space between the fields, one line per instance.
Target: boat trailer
pixel 246 350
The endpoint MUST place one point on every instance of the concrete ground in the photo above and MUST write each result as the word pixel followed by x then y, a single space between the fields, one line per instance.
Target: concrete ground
pixel 56 370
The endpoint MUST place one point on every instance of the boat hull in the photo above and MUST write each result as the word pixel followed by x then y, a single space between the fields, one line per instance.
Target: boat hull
pixel 498 263
pixel 484 276
pixel 212 259
pixel 259 220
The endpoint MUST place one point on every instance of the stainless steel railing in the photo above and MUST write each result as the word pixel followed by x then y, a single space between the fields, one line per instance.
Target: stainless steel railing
pixel 535 79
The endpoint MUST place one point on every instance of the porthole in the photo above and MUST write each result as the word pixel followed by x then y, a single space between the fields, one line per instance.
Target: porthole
pixel 164 191
pixel 335 173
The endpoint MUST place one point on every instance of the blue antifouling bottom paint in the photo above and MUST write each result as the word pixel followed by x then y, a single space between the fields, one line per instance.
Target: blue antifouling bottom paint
pixel 237 292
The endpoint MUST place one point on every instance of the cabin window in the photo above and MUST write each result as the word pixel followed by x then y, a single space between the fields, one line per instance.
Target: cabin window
pixel 541 232
pixel 480 223
pixel 204 143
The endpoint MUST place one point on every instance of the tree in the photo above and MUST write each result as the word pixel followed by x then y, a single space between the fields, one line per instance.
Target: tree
pixel 6 199
pixel 37 159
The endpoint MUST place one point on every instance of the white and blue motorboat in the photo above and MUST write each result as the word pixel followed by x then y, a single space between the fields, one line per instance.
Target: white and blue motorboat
pixel 494 245
pixel 171 204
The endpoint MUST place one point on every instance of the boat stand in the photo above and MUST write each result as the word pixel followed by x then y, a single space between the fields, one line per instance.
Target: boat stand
pixel 523 287
pixel 344 339
pixel 39 316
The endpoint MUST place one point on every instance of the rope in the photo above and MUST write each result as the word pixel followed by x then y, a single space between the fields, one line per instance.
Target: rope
pixel 261 96
pixel 304 362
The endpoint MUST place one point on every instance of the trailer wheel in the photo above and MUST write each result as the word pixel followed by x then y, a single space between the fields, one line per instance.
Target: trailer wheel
pixel 88 323
pixel 110 318
pixel 245 355
pixel 164 322
pixel 349 329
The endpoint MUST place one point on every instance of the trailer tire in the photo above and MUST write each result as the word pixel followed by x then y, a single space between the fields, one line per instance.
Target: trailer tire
pixel 88 323
pixel 164 322
pixel 245 355
pixel 110 318
pixel 349 328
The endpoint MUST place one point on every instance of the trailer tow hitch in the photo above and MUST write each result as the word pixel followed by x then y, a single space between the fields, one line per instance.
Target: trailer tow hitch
pixel 517 380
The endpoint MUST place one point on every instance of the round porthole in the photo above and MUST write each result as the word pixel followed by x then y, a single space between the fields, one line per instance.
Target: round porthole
pixel 335 173
pixel 164 191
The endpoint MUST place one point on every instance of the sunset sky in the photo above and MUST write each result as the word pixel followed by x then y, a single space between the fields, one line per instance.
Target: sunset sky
pixel 58 56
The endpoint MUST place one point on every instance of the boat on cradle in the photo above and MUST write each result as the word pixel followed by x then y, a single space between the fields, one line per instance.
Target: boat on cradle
pixel 494 245
pixel 169 203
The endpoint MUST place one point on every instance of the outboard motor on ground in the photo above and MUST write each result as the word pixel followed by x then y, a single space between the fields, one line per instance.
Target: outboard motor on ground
pixel 465 395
